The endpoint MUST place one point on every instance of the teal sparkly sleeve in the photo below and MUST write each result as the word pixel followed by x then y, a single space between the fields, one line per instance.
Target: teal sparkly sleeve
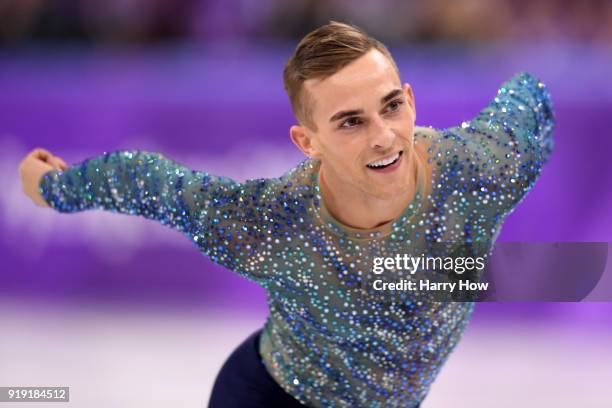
pixel 217 213
pixel 133 182
pixel 503 149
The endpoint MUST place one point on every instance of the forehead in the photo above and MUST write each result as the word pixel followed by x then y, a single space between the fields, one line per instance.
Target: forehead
pixel 363 81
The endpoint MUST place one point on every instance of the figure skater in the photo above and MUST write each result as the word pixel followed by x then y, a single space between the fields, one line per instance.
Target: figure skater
pixel 373 184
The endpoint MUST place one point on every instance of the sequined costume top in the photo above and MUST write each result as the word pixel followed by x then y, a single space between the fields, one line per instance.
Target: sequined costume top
pixel 330 340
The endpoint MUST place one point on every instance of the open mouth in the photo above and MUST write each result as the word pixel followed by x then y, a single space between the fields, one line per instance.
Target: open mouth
pixel 382 164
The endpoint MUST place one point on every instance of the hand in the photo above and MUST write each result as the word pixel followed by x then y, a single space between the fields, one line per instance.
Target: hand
pixel 31 170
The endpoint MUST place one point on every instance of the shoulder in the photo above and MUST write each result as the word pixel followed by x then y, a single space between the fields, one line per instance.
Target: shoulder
pixel 436 144
pixel 297 183
pixel 430 138
pixel 425 134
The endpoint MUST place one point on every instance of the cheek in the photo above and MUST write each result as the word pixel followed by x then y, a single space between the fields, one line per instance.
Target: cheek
pixel 406 131
pixel 345 157
pixel 409 120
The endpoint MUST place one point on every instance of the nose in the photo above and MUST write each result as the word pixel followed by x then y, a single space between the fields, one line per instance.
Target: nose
pixel 381 135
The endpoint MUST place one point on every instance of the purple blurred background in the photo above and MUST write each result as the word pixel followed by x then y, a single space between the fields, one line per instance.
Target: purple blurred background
pixel 202 83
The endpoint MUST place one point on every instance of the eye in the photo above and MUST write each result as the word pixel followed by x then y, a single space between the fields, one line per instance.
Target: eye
pixel 395 105
pixel 350 123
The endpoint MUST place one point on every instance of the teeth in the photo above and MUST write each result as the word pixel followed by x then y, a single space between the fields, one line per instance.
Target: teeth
pixel 385 162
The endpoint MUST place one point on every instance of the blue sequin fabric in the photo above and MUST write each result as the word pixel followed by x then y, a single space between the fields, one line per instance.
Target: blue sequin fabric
pixel 330 340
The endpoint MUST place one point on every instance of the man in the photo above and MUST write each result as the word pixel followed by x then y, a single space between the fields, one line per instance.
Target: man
pixel 373 185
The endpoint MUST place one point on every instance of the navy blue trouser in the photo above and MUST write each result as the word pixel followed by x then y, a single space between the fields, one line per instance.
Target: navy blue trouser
pixel 244 382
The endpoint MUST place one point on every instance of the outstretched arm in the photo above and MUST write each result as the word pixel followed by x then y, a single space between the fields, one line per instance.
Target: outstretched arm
pixel 137 183
pixel 221 216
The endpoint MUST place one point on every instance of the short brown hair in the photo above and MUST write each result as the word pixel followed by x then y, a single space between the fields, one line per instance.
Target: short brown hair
pixel 320 54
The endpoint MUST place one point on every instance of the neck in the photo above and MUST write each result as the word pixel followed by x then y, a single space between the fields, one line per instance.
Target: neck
pixel 366 211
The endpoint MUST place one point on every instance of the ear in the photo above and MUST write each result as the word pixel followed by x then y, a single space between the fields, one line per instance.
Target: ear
pixel 303 139
pixel 410 97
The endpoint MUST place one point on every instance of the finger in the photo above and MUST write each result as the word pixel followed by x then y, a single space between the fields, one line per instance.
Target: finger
pixel 56 162
pixel 62 164
pixel 53 162
pixel 41 154
pixel 43 165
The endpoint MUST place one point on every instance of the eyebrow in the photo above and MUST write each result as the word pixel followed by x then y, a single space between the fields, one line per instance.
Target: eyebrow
pixel 346 113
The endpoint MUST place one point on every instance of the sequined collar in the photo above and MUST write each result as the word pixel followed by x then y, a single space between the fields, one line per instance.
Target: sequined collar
pixel 322 214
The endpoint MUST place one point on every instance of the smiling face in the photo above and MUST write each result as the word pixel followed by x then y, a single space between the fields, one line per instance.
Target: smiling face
pixel 364 127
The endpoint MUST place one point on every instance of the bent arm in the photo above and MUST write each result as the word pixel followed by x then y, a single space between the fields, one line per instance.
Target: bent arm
pixel 504 148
